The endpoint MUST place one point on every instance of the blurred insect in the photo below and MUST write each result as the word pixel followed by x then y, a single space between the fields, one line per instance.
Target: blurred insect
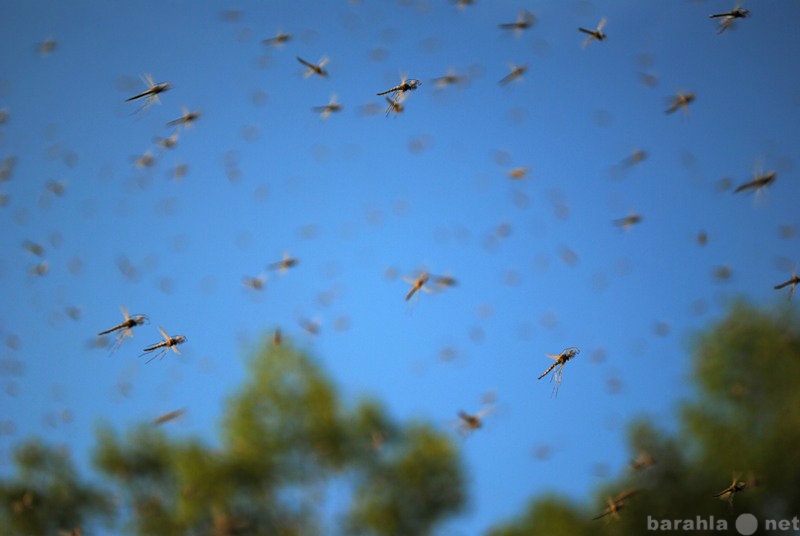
pixel 443 281
pixel 519 172
pixel 146 160
pixel 516 73
pixel 617 503
pixel 597 33
pixel 449 79
pixel 172 415
pixel 461 4
pixel 470 422
pixel 681 100
pixel 417 284
pixel 152 91
pixel 186 119
pixel 255 283
pixel 47 46
pixel 39 269
pixel 736 486
pixel 277 337
pixel 760 181
pixel 33 247
pixel 394 107
pixel 791 283
pixel 124 328
pixel 628 221
pixel 284 264
pixel 278 40
pixel 729 17
pixel 318 69
pixel 168 142
pixel 642 462
pixel 560 360
pixel 525 20
pixel 325 111
pixel 164 346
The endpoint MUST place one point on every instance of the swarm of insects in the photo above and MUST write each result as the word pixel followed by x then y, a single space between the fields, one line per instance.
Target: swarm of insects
pixel 558 364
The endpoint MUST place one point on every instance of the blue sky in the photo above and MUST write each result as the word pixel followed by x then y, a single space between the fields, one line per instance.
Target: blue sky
pixel 363 200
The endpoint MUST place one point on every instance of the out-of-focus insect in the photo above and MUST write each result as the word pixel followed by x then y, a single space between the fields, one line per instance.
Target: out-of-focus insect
pixel 761 180
pixel 33 247
pixel 318 69
pixel 681 100
pixel 597 33
pixel 515 74
pixel 47 46
pixel 643 461
pixel 172 415
pixel 186 120
pixel 729 17
pixel 617 503
pixel 417 284
pixel 628 221
pixel 461 4
pixel 169 142
pixel 164 346
pixel 791 283
pixel 332 107
pixel 152 91
pixel 145 161
pixel 449 79
pixel 736 486
pixel 519 172
pixel 277 337
pixel 255 283
pixel 284 264
pixel 395 107
pixel 470 422
pixel 278 40
pixel 124 328
pixel 443 281
pixel 525 20
pixel 558 364
pixel 39 269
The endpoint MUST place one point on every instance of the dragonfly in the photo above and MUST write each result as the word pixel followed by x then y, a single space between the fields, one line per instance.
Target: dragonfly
pixel 168 142
pixel 318 69
pixel 332 107
pixel 617 503
pixel 525 20
pixel 152 92
pixel 628 221
pixel 125 328
pixel 792 282
pixel 469 422
pixel 417 284
pixel 284 264
pixel 681 100
pixel 729 17
pixel 186 119
pixel 278 40
pixel 760 181
pixel 398 94
pixel 161 348
pixel 394 106
pixel 558 364
pixel 736 486
pixel 516 73
pixel 169 416
pixel 449 79
pixel 597 33
pixel 255 283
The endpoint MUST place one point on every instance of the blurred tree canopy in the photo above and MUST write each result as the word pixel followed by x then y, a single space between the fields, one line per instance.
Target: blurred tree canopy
pixel 289 449
pixel 743 424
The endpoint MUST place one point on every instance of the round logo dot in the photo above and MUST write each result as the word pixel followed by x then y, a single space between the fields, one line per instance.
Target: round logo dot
pixel 746 524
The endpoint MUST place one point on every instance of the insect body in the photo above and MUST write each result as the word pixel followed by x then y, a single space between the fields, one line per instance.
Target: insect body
pixel 560 360
pixel 759 182
pixel 791 283
pixel 152 91
pixel 617 503
pixel 597 33
pixel 124 328
pixel 681 100
pixel 162 347
pixel 729 17
pixel 318 69
pixel 417 284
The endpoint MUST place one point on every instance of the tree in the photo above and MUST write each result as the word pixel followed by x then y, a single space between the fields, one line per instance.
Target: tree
pixel 287 444
pixel 743 425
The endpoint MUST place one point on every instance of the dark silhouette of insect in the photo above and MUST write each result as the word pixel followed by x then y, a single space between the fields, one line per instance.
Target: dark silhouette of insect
pixel 597 33
pixel 152 92
pixel 318 69
pixel 617 503
pixel 729 17
pixel 760 181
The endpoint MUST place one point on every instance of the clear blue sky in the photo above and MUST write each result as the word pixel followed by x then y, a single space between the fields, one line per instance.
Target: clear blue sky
pixel 359 195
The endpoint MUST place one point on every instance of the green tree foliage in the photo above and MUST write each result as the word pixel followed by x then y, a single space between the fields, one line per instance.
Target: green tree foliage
pixel 45 496
pixel 288 445
pixel 744 423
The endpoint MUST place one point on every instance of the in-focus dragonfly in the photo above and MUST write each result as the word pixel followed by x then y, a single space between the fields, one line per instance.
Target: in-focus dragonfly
pixel 597 33
pixel 124 328
pixel 560 360
pixel 164 346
